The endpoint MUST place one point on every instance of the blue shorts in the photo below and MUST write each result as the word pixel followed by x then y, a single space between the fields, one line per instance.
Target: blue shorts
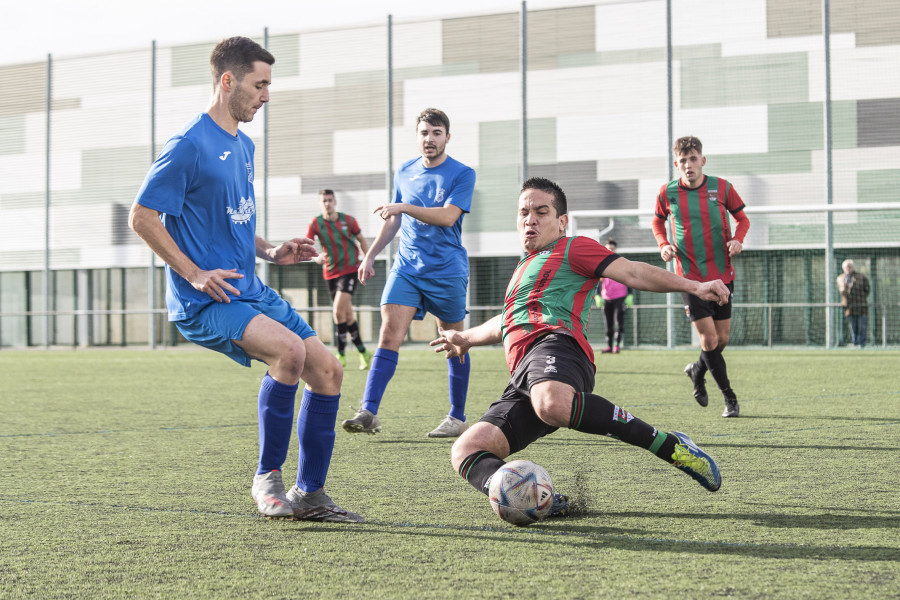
pixel 444 298
pixel 219 324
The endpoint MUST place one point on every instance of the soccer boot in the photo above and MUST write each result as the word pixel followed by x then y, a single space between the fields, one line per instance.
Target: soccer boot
pixel 317 506
pixel 691 370
pixel 449 427
pixel 365 359
pixel 268 493
pixel 731 404
pixel 607 350
pixel 342 358
pixel 362 422
pixel 616 349
pixel 560 506
pixel 695 462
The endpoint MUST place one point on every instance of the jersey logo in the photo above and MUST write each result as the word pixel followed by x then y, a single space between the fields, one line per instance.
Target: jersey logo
pixel 249 166
pixel 242 213
pixel 224 156
pixel 439 196
pixel 414 177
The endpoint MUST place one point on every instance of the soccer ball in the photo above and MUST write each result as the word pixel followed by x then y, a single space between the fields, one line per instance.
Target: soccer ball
pixel 521 492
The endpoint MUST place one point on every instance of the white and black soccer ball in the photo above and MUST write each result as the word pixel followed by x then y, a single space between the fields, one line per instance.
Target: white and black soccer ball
pixel 521 492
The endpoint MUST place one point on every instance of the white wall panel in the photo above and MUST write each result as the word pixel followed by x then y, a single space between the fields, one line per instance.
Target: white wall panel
pixel 607 89
pixel 325 54
pixel 732 130
pixel 631 26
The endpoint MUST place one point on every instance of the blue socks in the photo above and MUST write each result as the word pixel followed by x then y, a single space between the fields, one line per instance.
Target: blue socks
pixel 458 380
pixel 384 363
pixel 315 430
pixel 276 419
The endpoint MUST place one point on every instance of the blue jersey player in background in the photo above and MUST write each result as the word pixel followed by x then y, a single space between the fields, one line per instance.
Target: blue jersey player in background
pixel 432 193
pixel 197 211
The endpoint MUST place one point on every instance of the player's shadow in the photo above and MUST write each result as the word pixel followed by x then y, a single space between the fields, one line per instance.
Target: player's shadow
pixel 773 520
pixel 567 535
pixel 816 447
pixel 808 418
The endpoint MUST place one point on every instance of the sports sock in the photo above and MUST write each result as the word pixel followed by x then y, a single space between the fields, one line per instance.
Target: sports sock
pixel 596 415
pixel 276 417
pixel 341 339
pixel 478 467
pixel 458 379
pixel 315 431
pixel 384 363
pixel 701 365
pixel 353 330
pixel 715 362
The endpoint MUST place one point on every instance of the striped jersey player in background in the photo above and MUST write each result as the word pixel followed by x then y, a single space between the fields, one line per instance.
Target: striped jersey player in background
pixel 343 246
pixel 697 208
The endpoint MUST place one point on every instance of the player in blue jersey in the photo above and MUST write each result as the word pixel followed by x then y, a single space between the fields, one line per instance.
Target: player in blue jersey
pixel 432 193
pixel 197 211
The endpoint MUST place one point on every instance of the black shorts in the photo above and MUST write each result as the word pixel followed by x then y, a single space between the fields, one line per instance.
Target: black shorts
pixel 697 309
pixel 556 357
pixel 344 283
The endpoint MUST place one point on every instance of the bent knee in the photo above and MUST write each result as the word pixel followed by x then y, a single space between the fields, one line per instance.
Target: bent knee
pixel 290 359
pixel 462 447
pixel 551 411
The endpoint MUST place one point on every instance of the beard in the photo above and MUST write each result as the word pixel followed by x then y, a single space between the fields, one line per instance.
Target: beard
pixel 240 106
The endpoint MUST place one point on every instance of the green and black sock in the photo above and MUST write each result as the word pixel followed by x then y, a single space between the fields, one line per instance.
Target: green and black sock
pixel 598 416
pixel 478 467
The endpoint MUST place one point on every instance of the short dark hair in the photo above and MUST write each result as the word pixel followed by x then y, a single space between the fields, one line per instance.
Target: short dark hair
pixel 612 241
pixel 237 54
pixel 434 117
pixel 684 145
pixel 549 187
pixel 326 192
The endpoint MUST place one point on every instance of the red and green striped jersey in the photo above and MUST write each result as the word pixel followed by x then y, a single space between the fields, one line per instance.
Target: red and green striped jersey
pixel 700 227
pixel 338 242
pixel 552 289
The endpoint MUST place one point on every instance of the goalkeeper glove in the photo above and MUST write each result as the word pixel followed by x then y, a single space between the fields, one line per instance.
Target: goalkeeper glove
pixel 598 300
pixel 629 300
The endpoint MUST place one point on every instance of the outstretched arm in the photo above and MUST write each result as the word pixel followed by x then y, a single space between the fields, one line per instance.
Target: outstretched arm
pixel 445 216
pixel 646 277
pixel 457 343
pixel 287 253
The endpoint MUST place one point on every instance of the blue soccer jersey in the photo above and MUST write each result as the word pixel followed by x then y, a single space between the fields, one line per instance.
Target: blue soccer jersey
pixel 433 251
pixel 202 183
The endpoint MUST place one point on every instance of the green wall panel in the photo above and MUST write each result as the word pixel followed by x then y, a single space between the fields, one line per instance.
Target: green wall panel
pixel 801 126
pixel 495 201
pixel 744 80
pixel 770 163
pixel 877 185
pixel 12 134
pixel 286 50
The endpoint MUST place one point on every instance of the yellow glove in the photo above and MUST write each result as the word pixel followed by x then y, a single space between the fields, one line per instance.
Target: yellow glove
pixel 598 300
pixel 629 300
